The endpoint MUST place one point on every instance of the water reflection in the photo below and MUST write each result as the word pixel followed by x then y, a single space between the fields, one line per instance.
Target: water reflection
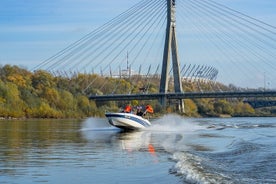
pixel 97 131
pixel 140 141
pixel 24 134
pixel 26 144
pixel 46 148
pixel 18 139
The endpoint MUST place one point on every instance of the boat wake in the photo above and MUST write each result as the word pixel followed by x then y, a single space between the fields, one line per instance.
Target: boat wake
pixel 174 123
pixel 240 126
pixel 200 150
pixel 96 124
pixel 193 169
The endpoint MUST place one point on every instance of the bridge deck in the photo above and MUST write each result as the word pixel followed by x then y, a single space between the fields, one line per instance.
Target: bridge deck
pixel 261 103
pixel 186 95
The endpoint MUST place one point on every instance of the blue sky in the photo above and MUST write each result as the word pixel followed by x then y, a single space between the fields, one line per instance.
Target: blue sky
pixel 33 30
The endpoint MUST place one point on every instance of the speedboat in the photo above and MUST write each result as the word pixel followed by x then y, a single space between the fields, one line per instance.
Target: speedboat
pixel 127 121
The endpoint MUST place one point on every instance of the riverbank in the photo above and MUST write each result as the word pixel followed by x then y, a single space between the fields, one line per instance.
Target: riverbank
pixel 40 94
pixel 152 117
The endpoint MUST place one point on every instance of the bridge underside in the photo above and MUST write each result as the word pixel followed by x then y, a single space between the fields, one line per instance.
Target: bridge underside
pixel 261 103
pixel 186 95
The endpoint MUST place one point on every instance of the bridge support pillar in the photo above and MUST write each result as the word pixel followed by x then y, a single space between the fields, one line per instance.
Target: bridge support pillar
pixel 181 106
pixel 171 51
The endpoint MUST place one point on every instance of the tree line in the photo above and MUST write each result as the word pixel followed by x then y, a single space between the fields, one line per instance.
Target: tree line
pixel 40 94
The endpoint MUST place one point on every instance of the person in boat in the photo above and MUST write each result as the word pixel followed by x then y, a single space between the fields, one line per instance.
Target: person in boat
pixel 139 111
pixel 149 109
pixel 127 109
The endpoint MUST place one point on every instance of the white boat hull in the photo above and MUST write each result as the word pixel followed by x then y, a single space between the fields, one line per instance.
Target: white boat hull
pixel 127 121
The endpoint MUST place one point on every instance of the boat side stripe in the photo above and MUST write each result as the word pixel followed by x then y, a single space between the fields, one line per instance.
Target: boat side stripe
pixel 129 117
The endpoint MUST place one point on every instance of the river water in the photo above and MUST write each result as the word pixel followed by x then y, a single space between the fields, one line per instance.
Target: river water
pixel 173 150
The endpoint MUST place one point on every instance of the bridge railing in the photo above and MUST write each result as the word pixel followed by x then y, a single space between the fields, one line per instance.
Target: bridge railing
pixel 186 95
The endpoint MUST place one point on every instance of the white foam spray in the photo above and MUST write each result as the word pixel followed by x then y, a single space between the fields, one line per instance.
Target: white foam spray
pixel 174 123
pixel 96 124
pixel 190 167
pixel 176 135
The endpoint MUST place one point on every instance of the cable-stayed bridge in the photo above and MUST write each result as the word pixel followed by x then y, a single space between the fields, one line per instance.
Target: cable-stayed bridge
pixel 176 42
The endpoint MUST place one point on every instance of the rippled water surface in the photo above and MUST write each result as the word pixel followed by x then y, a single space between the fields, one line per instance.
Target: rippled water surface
pixel 173 150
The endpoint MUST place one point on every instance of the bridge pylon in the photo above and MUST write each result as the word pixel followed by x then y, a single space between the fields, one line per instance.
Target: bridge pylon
pixel 171 51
